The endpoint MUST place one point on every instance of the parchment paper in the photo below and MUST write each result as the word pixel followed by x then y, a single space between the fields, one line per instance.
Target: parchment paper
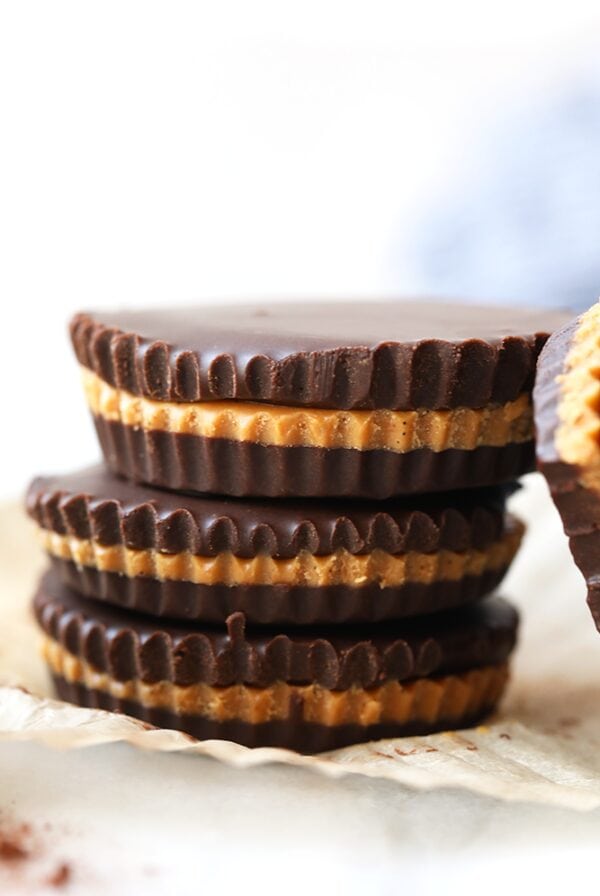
pixel 543 744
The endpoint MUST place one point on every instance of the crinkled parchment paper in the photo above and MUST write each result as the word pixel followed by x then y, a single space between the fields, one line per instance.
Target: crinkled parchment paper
pixel 544 744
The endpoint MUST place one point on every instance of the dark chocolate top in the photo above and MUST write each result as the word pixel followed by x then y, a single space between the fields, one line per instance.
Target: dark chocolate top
pixel 397 355
pixel 129 646
pixel 94 503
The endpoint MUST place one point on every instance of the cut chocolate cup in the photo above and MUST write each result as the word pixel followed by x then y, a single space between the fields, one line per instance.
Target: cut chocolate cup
pixel 567 400
pixel 308 690
pixel 404 398
pixel 291 562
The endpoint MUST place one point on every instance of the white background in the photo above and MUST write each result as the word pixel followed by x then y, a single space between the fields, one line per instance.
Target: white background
pixel 158 153
pixel 153 153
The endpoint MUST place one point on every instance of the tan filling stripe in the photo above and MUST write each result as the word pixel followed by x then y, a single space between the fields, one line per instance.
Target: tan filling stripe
pixel 577 437
pixel 444 697
pixel 268 424
pixel 339 568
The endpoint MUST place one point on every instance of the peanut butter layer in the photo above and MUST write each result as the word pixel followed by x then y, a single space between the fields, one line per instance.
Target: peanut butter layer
pixel 305 569
pixel 421 700
pixel 577 436
pixel 243 421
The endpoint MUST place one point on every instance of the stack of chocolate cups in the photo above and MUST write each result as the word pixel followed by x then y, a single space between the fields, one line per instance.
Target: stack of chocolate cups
pixel 299 521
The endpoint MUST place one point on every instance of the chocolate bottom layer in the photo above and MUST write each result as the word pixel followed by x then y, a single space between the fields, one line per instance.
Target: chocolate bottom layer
pixel 193 463
pixel 293 733
pixel 275 604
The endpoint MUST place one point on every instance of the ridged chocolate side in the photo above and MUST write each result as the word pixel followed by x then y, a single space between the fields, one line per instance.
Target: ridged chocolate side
pixel 94 503
pixel 547 395
pixel 398 355
pixel 275 604
pixel 193 463
pixel 579 507
pixel 128 646
pixel 292 733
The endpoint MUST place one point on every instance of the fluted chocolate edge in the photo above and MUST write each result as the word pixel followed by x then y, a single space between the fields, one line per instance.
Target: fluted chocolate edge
pixel 143 518
pixel 432 373
pixel 547 398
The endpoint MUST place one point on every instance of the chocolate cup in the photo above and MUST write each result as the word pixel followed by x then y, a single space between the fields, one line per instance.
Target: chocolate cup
pixel 275 604
pixel 292 733
pixel 125 662
pixel 184 462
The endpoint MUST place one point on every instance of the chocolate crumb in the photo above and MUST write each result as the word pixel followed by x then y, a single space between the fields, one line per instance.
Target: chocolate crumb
pixel 10 851
pixel 21 851
pixel 568 722
pixel 13 844
pixel 61 876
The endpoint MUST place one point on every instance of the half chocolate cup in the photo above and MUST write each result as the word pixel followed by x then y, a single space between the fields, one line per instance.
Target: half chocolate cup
pixel 567 416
